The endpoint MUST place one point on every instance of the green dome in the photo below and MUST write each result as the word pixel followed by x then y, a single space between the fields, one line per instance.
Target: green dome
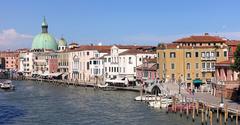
pixel 62 42
pixel 44 41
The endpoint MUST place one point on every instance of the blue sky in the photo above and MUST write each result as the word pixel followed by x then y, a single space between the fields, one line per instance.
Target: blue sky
pixel 117 21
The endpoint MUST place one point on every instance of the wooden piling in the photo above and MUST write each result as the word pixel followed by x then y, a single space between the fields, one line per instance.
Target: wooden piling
pixel 225 114
pixel 160 102
pixel 220 117
pixel 217 114
pixel 187 110
pixel 197 108
pixel 193 112
pixel 210 115
pixel 206 114
pixel 202 121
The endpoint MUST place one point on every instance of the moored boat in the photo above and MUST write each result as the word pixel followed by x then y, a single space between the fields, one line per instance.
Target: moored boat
pixel 7 85
pixel 147 98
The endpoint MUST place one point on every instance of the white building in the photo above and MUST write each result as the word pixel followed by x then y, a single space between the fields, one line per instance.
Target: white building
pixel 123 60
pixel 79 61
pixel 26 63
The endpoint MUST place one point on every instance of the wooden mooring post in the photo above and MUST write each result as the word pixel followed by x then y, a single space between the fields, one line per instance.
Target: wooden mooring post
pixel 197 107
pixel 193 112
pixel 202 117
pixel 210 116
pixel 217 114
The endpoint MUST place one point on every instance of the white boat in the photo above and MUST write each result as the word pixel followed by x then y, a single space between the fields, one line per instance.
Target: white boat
pixel 7 85
pixel 148 98
pixel 105 87
pixel 160 104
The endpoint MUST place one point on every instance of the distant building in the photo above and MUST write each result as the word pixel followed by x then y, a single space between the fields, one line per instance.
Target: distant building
pixel 227 80
pixel 11 59
pixel 123 60
pixel 192 59
pixel 148 71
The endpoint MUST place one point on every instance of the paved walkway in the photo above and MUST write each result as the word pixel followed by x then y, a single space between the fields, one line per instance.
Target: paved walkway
pixel 213 100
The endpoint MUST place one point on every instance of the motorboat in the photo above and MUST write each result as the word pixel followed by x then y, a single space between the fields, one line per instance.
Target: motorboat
pixel 163 103
pixel 7 85
pixel 106 87
pixel 148 98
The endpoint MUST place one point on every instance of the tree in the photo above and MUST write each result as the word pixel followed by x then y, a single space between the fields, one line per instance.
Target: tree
pixel 236 65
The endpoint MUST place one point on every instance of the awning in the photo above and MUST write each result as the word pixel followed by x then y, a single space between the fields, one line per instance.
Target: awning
pixel 55 74
pixel 197 82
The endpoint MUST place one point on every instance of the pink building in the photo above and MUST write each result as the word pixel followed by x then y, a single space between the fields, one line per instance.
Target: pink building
pixel 147 71
pixel 226 81
pixel 53 65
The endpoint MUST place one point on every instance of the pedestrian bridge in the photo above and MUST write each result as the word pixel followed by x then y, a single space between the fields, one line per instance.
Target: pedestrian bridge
pixel 159 87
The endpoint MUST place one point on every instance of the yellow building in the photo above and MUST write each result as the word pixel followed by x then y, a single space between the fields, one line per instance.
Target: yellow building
pixel 192 59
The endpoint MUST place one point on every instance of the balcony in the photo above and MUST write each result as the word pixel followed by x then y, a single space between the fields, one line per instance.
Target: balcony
pixel 208 70
pixel 208 58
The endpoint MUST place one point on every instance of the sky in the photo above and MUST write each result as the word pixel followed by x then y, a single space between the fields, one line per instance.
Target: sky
pixel 145 22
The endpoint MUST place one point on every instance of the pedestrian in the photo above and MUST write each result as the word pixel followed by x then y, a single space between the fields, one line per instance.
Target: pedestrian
pixel 193 91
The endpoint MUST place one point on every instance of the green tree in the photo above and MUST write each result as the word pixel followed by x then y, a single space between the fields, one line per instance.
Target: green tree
pixel 236 65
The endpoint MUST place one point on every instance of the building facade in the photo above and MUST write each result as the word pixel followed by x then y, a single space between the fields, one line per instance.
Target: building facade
pixel 191 58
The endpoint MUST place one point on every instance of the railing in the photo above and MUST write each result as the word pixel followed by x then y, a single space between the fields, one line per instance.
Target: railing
pixel 208 58
pixel 208 70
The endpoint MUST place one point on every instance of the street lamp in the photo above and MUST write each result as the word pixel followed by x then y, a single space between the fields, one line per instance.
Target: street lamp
pixel 221 86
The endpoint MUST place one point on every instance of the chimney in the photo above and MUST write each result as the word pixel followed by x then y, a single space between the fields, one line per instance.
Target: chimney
pixel 206 34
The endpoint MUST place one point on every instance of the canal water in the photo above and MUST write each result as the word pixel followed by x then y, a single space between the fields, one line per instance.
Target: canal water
pixel 35 103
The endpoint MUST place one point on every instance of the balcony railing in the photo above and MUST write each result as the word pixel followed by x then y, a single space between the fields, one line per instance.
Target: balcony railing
pixel 208 58
pixel 208 70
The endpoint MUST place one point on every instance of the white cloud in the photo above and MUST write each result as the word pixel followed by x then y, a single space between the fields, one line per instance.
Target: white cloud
pixel 11 39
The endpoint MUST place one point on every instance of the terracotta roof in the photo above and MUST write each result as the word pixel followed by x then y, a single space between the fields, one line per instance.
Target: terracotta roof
pixel 102 49
pixel 73 43
pixel 233 42
pixel 137 51
pixel 177 46
pixel 150 66
pixel 201 39
pixel 133 47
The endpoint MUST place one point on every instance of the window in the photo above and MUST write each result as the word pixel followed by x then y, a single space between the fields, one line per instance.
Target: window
pixel 188 54
pixel 173 76
pixel 188 66
pixel 203 65
pixel 225 53
pixel 203 54
pixel 213 66
pixel 164 66
pixel 109 69
pixel 197 75
pixel 196 54
pixel 105 59
pixel 196 66
pixel 87 53
pixel 218 54
pixel 172 54
pixel 105 69
pixel 123 69
pixel 188 76
pixel 208 65
pixel 164 54
pixel 203 74
pixel 158 55
pixel 109 59
pixel 140 59
pixel 130 60
pixel 172 66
